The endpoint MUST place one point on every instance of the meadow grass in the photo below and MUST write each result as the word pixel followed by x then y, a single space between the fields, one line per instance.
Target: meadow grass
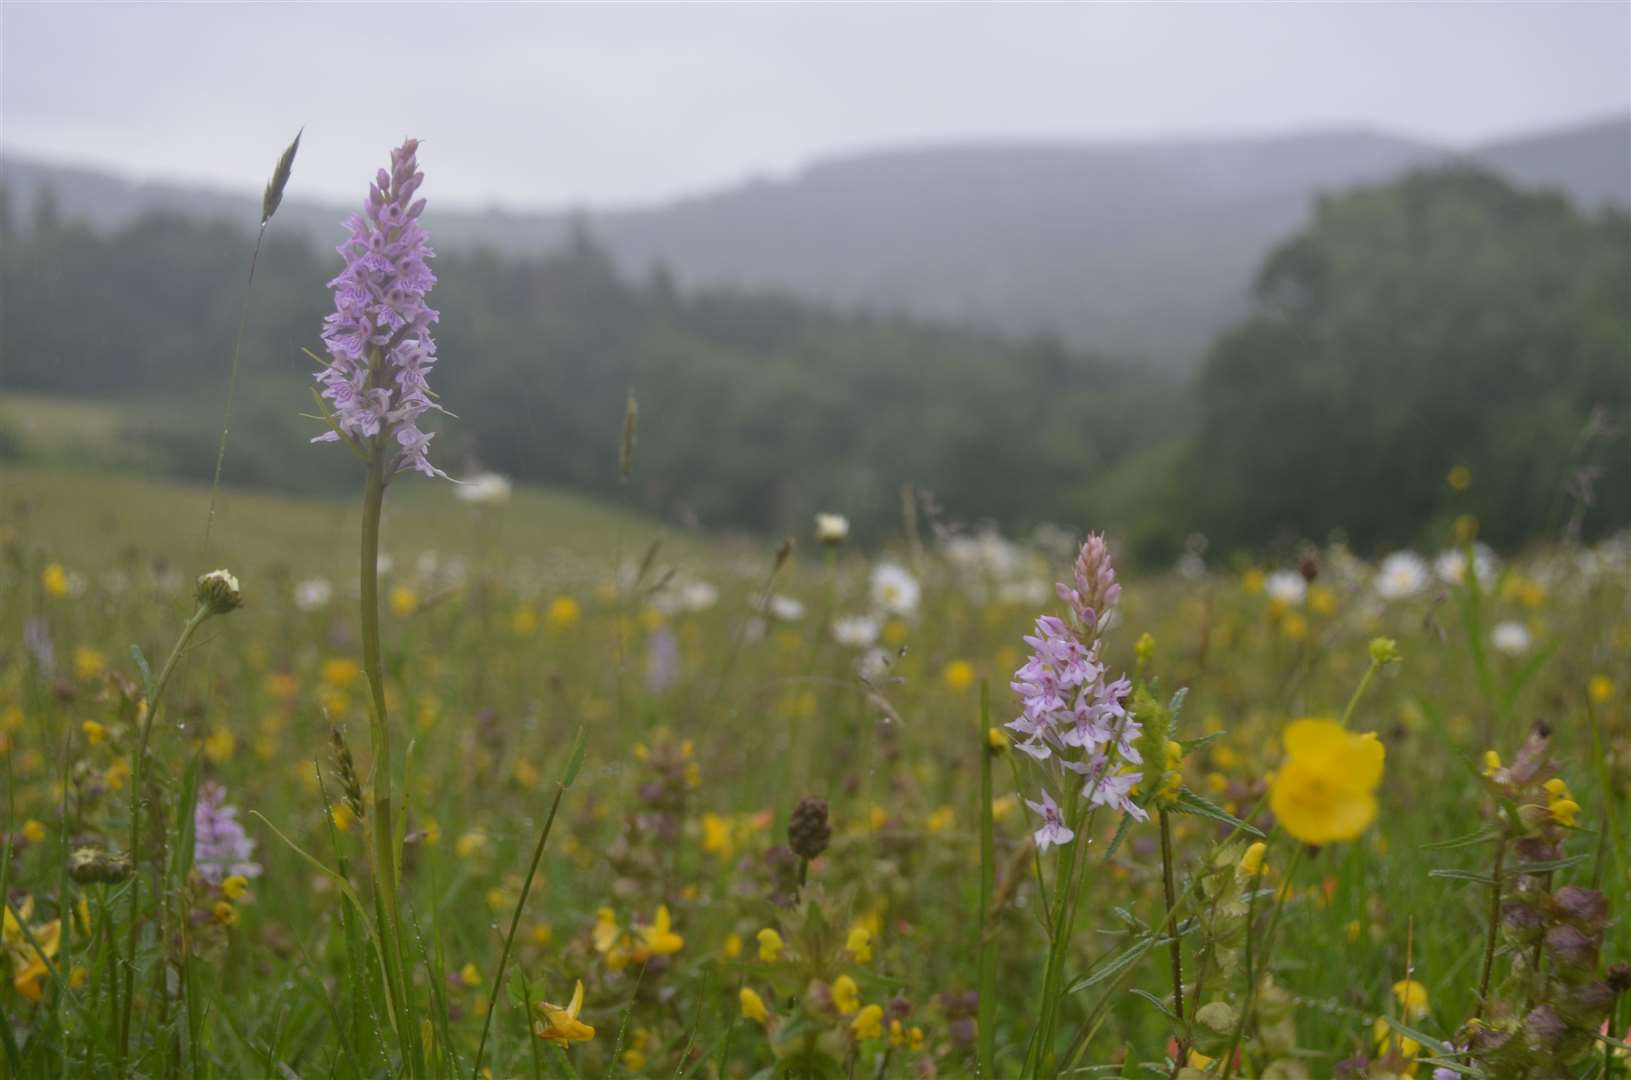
pixel 509 629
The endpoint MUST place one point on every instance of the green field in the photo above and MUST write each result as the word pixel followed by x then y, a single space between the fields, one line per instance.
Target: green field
pixel 508 629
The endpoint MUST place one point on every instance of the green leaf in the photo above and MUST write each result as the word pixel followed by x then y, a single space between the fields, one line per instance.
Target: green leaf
pixel 1462 875
pixel 575 761
pixel 1191 803
pixel 1121 831
pixel 1157 1002
pixel 1117 963
pixel 146 671
pixel 1471 839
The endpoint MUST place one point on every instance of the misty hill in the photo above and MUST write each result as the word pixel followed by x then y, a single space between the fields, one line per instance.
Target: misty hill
pixel 1145 249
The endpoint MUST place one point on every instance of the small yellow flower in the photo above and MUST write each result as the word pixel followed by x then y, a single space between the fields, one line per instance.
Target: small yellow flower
pixel 753 1006
pixel 524 621
pixel 1251 863
pixel 959 675
pixel 1253 581
pixel 33 831
pixel 340 672
pixel 1492 762
pixel 1294 626
pixel 660 937
pixel 1198 1060
pixel 859 944
pixel 470 976
pixel 564 612
pixel 1385 1036
pixel 404 601
pixel 225 913
pixel 78 977
pixel 996 739
pixel 469 843
pixel 732 948
pixel 1557 788
pixel 219 745
pixel 940 820
pixel 868 1023
pixel 1325 790
pixel 1564 811
pixel 1412 998
pixel 542 934
pixel 88 663
pixel 1460 478
pixel 235 887
pixel 770 945
pixel 914 1039
pixel 1322 601
pixel 1600 689
pixel 846 996
pixel 561 1026
pixel 54 579
pixel 94 732
pixel 606 931
pixel 1384 651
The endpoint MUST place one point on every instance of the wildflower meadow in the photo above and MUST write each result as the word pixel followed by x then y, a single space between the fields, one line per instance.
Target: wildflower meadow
pixel 452 780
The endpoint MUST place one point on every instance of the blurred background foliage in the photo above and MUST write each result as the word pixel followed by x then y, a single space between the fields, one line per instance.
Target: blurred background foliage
pixel 1444 319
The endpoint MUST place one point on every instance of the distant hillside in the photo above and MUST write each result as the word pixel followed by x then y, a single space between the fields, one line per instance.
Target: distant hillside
pixel 1144 249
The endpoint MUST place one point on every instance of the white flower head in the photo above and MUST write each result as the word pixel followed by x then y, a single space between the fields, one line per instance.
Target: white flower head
pixel 1402 574
pixel 894 590
pixel 1451 565
pixel 1287 586
pixel 1510 638
pixel 831 528
pixel 313 593
pixel 487 487
pixel 856 631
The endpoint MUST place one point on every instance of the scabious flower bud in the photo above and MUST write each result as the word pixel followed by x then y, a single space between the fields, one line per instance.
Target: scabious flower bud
pixel 218 591
pixel 808 831
pixel 1383 651
pixel 378 338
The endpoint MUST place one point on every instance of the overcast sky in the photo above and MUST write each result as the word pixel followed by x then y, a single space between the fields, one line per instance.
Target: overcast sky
pixel 604 104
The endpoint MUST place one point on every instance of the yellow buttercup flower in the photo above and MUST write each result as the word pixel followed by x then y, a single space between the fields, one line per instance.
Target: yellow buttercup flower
pixel 54 579
pixel 404 601
pixel 1600 689
pixel 868 1023
pixel 606 931
pixel 1412 998
pixel 88 663
pixel 561 1026
pixel 470 976
pixel 94 732
pixel 1325 791
pixel 846 996
pixel 564 612
pixel 753 1006
pixel 859 945
pixel 959 675
pixel 660 937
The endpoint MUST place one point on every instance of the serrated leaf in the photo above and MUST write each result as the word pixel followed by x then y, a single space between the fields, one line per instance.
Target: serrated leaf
pixel 1117 963
pixel 1176 706
pixel 1191 803
pixel 1469 840
pixel 1462 875
pixel 1121 831
pixel 1157 1002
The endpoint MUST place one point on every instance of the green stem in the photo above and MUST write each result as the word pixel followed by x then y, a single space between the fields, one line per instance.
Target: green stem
pixel 1359 692
pixel 1256 978
pixel 138 781
pixel 986 1033
pixel 1494 926
pixel 1177 949
pixel 515 921
pixel 232 387
pixel 382 848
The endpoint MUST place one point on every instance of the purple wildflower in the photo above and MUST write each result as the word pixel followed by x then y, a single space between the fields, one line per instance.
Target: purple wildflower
pixel 1072 711
pixel 378 337
pixel 1053 830
pixel 221 848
